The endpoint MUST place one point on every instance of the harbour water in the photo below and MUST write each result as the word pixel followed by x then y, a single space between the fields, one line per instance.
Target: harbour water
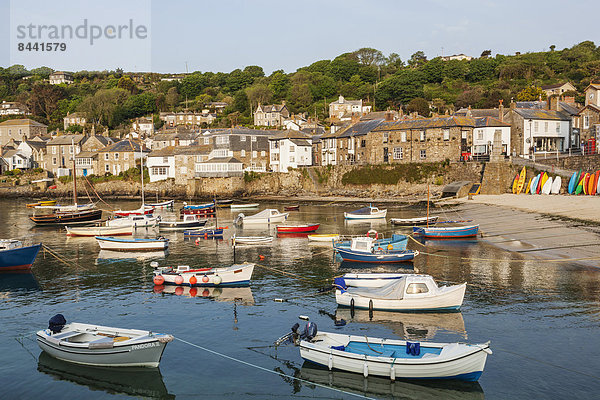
pixel 543 318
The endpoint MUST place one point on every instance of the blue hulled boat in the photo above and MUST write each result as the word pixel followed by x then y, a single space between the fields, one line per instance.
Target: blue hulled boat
pixel 396 242
pixel 451 232
pixel 378 256
pixel 14 256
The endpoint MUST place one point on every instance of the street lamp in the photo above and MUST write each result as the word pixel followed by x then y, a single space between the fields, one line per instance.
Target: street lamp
pixel 531 148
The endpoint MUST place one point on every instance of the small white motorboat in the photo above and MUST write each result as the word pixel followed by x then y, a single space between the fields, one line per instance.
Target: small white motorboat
pixel 244 206
pixel 395 359
pixel 324 237
pixel 136 221
pixel 189 221
pixel 102 345
pixel 235 275
pixel 99 230
pixel 414 221
pixel 68 208
pixel 162 204
pixel 366 213
pixel 251 239
pixel 267 216
pixel 397 292
pixel 134 244
pixel 139 211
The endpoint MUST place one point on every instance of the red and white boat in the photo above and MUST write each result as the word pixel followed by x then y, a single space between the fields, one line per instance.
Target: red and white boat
pixel 140 211
pixel 302 228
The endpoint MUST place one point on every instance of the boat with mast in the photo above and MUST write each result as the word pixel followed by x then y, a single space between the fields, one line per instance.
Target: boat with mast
pixel 143 210
pixel 70 214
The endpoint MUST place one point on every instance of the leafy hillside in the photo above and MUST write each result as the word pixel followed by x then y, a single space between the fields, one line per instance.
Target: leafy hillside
pixel 113 98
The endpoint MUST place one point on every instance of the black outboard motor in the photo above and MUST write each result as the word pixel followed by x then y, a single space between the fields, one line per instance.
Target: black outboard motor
pixel 310 331
pixel 56 323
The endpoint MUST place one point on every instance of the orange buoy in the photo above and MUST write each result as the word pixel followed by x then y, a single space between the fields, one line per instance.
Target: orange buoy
pixel 197 241
pixel 159 280
pixel 205 279
pixel 159 289
pixel 178 280
pixel 193 280
pixel 261 257
pixel 178 291
pixel 205 293
pixel 193 292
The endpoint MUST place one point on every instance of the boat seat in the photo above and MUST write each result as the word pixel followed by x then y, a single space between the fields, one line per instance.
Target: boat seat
pixel 102 343
pixel 66 335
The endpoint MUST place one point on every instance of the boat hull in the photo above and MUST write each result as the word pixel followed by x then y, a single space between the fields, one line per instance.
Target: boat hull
pixel 107 243
pixel 236 275
pixel 18 259
pixel 460 361
pixel 67 218
pixel 141 222
pixel 448 301
pixel 204 232
pixel 180 225
pixel 447 233
pixel 244 206
pixel 383 257
pixel 297 228
pixel 323 237
pixel 375 215
pixel 99 231
pixel 413 221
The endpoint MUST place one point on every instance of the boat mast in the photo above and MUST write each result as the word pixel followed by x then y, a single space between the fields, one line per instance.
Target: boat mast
pixel 142 173
pixel 74 174
pixel 427 205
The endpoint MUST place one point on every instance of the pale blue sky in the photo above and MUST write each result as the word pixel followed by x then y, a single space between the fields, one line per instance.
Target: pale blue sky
pixel 228 34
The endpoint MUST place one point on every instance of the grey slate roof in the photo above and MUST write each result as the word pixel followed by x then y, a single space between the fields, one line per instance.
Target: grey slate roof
pixel 489 121
pixel 123 145
pixel 66 139
pixel 360 128
pixel 543 114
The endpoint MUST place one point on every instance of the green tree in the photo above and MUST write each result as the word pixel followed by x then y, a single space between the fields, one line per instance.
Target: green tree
pixel 44 99
pixel 420 105
pixel 531 93
pixel 400 88
pixel 126 83
pixel 342 68
pixel 417 59
pixel 193 85
pixel 172 98
pixel 259 94
pixel 279 84
pixel 434 70
pixel 369 56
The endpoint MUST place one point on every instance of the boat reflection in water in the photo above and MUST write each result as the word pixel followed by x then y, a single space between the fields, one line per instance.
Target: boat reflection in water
pixel 368 223
pixel 239 295
pixel 115 256
pixel 376 386
pixel 13 282
pixel 410 326
pixel 348 266
pixel 131 381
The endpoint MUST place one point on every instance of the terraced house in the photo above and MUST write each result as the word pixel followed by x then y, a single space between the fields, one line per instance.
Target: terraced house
pixel 250 146
pixel 419 140
pixel 120 157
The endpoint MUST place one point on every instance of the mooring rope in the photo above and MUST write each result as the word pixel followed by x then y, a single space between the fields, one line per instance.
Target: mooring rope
pixel 271 371
pixel 496 259
pixel 94 189
pixel 59 258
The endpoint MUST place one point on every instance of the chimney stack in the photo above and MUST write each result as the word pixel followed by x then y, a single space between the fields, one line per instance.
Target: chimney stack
pixel 389 116
pixel 355 118
pixel 501 111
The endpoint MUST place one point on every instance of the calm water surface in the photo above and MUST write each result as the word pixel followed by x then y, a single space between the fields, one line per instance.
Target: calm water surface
pixel 542 318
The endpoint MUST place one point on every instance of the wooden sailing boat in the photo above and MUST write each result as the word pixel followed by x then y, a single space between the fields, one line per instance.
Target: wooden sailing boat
pixel 143 208
pixel 69 216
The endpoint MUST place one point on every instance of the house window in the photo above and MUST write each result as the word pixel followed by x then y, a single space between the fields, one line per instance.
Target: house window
pixel 558 127
pixel 243 153
pixel 254 138
pixel 262 153
pixel 159 170
pixel 536 126
pixel 446 134
pixel 423 154
pixel 53 160
pixel 126 156
pixel 126 167
pixel 422 136
pixel 165 159
pixel 242 138
pixel 116 156
pixel 292 159
pixel 292 149
pixel 206 140
pixel 254 154
pixel 106 156
pixel 480 134
pixel 398 153
pixel 546 126
pixel 416 288
pixel 53 149
pixel 403 136
pixel 386 136
pixel 106 168
pixel 586 121
pixel 363 143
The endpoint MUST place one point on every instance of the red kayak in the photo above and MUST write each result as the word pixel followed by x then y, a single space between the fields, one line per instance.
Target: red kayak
pixel 298 228
pixel 292 208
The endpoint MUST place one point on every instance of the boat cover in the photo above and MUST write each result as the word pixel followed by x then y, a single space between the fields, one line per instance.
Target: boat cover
pixel 361 211
pixel 390 291
pixel 263 214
